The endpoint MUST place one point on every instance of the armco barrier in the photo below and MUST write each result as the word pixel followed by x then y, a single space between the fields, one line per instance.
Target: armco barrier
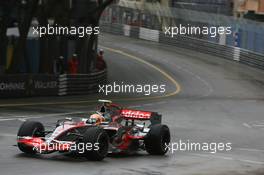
pixel 148 34
pixel 81 83
pixel 50 85
pixel 14 86
pixel 28 85
pixel 228 52
pixel 43 85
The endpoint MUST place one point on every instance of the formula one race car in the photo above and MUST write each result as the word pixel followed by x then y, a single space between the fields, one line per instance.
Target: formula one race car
pixel 111 129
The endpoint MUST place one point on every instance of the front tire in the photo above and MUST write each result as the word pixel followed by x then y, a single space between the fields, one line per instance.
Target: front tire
pixel 157 140
pixel 99 140
pixel 30 129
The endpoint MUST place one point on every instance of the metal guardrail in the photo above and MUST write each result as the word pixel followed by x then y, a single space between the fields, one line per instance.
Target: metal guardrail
pixel 228 52
pixel 50 85
pixel 27 85
pixel 80 84
pixel 246 34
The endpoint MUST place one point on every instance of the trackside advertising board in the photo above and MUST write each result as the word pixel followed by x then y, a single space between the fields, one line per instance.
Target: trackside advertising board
pixel 28 85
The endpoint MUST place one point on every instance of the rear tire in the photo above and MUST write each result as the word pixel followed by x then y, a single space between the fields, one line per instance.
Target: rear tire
pixel 157 140
pixel 96 136
pixel 30 129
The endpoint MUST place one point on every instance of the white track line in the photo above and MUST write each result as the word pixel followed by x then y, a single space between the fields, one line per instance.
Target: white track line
pixel 252 161
pixel 206 83
pixel 258 125
pixel 247 125
pixel 228 158
pixel 135 106
pixel 8 135
pixel 161 102
pixel 250 150
pixel 23 117
pixel 148 104
pixel 212 156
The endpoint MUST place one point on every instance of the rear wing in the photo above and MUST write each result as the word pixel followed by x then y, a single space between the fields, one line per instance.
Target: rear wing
pixel 129 114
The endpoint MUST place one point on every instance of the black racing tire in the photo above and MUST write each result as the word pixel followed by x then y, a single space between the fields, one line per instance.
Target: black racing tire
pixel 157 140
pixel 30 129
pixel 96 136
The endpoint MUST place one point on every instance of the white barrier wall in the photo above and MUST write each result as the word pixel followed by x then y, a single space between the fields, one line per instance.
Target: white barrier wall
pixel 217 49
pixel 222 39
pixel 126 30
pixel 148 34
pixel 236 54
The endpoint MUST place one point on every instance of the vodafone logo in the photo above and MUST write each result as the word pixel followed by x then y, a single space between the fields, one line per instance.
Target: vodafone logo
pixel 136 114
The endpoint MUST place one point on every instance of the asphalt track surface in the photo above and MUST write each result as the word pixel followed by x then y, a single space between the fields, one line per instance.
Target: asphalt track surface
pixel 208 99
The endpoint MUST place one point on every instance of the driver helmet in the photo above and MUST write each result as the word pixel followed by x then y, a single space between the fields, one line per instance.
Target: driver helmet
pixel 97 118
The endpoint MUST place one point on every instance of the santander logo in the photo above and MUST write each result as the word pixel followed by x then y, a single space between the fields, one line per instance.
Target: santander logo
pixel 135 114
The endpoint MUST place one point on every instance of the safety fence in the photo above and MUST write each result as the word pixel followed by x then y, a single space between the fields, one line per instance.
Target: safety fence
pixel 50 85
pixel 246 34
pixel 228 52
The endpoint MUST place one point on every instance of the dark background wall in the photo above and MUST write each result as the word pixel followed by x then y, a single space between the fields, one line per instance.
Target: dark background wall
pixel 211 6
